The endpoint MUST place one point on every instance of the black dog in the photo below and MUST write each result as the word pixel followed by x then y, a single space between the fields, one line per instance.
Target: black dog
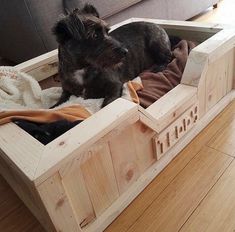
pixel 94 63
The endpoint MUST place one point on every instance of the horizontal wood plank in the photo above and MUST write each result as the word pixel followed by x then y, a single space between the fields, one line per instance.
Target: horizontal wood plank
pixel 216 213
pixel 172 208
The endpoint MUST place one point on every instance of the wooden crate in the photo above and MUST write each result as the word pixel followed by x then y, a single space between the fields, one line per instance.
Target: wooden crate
pixel 84 179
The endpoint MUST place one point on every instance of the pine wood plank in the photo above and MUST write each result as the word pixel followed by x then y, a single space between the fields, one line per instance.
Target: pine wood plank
pixel 216 213
pixel 178 100
pixel 230 62
pixel 82 136
pixel 42 66
pixel 143 141
pixel 145 199
pixel 77 192
pixel 99 177
pixel 124 157
pixel 172 208
pixel 26 151
pixel 224 140
pixel 57 204
pixel 218 77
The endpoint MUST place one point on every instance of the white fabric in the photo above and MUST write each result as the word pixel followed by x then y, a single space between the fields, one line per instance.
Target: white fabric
pixel 21 91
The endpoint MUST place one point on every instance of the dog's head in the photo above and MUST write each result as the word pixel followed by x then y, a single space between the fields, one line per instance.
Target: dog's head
pixel 84 37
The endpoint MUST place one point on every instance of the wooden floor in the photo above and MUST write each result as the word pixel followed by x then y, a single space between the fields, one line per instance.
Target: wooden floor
pixel 195 192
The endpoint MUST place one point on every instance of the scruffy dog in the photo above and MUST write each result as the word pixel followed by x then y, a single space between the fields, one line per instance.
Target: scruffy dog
pixel 94 63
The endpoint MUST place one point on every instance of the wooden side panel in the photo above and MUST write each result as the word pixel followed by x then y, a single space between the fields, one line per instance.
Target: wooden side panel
pixel 230 70
pixel 143 140
pixel 42 66
pixel 99 178
pixel 233 68
pixel 218 77
pixel 169 107
pixel 58 205
pixel 76 190
pixel 169 137
pixel 124 158
pixel 20 148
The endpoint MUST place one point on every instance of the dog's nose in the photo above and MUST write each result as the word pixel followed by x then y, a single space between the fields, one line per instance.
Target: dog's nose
pixel 124 51
pixel 121 51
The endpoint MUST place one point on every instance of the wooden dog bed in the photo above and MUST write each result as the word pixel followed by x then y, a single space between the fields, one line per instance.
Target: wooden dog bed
pixel 85 178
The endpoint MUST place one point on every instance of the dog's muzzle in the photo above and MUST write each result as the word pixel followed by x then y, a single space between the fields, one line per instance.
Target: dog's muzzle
pixel 121 51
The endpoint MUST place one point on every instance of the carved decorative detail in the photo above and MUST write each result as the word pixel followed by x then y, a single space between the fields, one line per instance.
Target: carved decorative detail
pixel 166 139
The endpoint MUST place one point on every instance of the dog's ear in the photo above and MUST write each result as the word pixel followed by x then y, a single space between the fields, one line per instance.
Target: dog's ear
pixel 61 31
pixel 90 9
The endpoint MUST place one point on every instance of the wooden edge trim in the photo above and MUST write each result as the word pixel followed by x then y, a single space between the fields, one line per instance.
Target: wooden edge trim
pixel 196 66
pixel 169 107
pixel 79 138
pixel 40 64
pixel 126 198
pixel 20 149
pixel 217 45
pixel 38 61
pixel 186 25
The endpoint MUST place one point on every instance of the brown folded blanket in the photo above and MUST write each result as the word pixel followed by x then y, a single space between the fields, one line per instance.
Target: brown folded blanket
pixel 158 84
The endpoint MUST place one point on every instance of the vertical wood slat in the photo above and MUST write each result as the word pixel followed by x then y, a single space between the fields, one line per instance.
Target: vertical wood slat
pixel 76 190
pixel 99 178
pixel 124 158
pixel 132 153
pixel 230 69
pixel 57 204
pixel 219 79
pixel 233 86
pixel 143 141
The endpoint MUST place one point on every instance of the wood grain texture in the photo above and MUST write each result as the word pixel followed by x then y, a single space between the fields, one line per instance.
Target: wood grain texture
pixel 218 79
pixel 147 197
pixel 81 137
pixel 178 100
pixel 172 208
pixel 20 149
pixel 124 157
pixel 77 192
pixel 98 173
pixel 41 67
pixel 57 204
pixel 216 213
pixel 224 140
pixel 143 140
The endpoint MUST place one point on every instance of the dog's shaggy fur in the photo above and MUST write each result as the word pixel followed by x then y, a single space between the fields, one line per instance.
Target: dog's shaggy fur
pixel 94 63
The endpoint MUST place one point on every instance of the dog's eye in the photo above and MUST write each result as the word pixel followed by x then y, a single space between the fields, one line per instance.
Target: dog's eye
pixel 95 36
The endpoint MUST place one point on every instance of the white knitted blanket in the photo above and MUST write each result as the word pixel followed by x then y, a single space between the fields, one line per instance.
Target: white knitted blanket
pixel 18 90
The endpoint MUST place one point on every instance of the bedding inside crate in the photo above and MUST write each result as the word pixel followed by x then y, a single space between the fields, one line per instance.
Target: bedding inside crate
pixel 155 85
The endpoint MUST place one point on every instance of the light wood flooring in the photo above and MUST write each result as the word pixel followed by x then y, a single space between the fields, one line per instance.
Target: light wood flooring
pixel 194 193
